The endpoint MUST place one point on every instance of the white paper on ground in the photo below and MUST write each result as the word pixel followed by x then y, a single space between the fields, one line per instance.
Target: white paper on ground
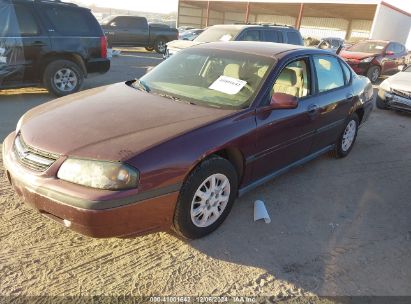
pixel 260 212
pixel 228 85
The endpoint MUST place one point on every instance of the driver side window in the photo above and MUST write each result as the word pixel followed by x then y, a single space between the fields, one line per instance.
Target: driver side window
pixel 293 80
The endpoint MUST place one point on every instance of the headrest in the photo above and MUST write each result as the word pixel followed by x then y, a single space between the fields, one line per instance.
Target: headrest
pixel 232 70
pixel 287 77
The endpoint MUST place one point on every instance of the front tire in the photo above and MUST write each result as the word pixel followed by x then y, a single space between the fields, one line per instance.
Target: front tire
pixel 63 77
pixel 206 198
pixel 346 141
pixel 374 73
pixel 380 104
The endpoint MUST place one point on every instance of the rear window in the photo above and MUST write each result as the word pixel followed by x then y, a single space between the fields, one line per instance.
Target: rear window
pixel 293 38
pixel 71 21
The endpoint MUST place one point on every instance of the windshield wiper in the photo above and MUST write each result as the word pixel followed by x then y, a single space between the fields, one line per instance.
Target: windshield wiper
pixel 140 85
pixel 174 98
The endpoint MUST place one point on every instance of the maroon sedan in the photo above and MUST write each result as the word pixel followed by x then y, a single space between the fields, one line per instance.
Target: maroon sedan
pixel 175 148
pixel 373 58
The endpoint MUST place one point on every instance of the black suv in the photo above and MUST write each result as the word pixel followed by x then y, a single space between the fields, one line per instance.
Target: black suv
pixel 49 43
pixel 240 32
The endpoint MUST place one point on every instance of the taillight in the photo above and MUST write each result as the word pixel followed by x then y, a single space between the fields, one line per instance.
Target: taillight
pixel 103 42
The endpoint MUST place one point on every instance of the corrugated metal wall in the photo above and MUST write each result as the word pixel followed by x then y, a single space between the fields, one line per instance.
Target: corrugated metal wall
pixel 310 26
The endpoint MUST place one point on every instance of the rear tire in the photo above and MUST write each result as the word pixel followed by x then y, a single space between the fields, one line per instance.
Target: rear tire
pixel 346 140
pixel 160 45
pixel 374 73
pixel 206 198
pixel 63 77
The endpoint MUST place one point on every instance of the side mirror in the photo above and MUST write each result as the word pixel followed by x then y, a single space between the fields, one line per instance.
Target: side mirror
pixel 283 101
pixel 389 53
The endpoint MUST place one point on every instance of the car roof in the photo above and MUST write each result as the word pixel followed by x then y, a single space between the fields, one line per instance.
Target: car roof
pixel 265 49
pixel 48 2
pixel 242 26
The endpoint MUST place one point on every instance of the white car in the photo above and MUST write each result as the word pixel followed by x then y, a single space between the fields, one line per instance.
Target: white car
pixel 395 91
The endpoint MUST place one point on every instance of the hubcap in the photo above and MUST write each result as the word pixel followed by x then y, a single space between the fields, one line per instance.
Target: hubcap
pixel 349 135
pixel 210 200
pixel 161 45
pixel 65 80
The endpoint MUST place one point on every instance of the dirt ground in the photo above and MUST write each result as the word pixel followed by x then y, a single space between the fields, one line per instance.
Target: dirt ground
pixel 339 227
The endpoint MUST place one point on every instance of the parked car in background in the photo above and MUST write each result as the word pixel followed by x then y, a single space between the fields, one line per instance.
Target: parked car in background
pixel 331 43
pixel 251 111
pixel 185 28
pixel 240 32
pixel 373 58
pixel 40 45
pixel 190 34
pixel 135 31
pixel 395 91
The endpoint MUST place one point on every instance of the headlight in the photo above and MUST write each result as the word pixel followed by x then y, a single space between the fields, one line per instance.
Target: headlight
pixel 366 60
pixel 98 174
pixel 385 85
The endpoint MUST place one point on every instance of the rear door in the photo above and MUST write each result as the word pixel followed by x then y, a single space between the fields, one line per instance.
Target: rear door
pixel 333 99
pixel 272 35
pixel 139 32
pixel 22 44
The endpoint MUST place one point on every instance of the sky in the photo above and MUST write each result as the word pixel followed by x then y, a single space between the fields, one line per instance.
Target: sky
pixel 168 6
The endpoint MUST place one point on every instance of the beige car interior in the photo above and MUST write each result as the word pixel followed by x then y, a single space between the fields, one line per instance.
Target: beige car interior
pixel 293 80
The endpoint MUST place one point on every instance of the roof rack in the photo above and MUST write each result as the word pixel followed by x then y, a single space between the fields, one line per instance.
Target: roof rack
pixel 52 1
pixel 264 24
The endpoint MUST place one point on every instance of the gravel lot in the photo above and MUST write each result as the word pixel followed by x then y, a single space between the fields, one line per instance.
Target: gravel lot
pixel 339 227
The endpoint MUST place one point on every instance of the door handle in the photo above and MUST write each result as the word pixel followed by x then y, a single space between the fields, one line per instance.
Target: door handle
pixel 349 97
pixel 313 109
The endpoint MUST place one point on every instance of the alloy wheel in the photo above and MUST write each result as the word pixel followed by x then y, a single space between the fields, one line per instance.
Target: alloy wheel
pixel 349 135
pixel 65 80
pixel 210 200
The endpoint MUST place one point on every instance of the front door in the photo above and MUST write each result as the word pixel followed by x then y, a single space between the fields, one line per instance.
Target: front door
pixel 284 136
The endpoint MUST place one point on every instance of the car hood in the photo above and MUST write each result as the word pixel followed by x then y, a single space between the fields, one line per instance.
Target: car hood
pixel 113 122
pixel 400 81
pixel 182 44
pixel 356 55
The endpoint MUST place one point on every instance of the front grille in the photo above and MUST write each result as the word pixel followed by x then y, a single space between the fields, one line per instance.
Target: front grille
pixel 33 158
pixel 402 93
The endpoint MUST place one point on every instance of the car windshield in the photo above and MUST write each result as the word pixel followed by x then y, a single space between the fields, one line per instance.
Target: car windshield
pixel 374 47
pixel 217 33
pixel 214 78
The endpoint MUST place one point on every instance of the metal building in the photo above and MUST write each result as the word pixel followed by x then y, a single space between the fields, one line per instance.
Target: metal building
pixel 348 19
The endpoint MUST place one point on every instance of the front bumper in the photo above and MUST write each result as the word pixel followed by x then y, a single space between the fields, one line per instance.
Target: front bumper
pixel 393 101
pixel 58 200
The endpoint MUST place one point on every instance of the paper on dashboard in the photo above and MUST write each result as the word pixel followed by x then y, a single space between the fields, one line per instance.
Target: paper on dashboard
pixel 228 85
